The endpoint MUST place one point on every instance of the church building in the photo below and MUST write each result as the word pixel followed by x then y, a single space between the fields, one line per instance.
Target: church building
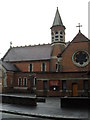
pixel 57 69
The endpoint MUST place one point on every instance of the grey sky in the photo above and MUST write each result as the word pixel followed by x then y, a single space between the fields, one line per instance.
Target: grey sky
pixel 26 22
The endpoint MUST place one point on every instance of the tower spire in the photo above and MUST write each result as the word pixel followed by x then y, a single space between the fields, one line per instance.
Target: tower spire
pixel 57 20
pixel 58 29
pixel 57 40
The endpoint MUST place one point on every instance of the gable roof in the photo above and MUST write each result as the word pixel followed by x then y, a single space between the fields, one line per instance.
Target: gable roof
pixel 28 53
pixel 9 66
pixel 80 38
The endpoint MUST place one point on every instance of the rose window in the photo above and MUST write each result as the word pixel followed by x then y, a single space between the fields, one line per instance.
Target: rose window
pixel 81 58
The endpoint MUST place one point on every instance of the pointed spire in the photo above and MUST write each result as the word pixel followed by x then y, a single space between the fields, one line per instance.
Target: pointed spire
pixel 57 19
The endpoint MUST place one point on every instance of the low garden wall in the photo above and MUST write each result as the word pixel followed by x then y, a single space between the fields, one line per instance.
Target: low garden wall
pixel 19 100
pixel 75 102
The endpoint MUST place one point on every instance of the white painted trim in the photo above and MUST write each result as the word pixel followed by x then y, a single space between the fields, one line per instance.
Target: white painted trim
pixel 34 82
pixel 29 67
pixel 21 81
pixel 53 57
pixel 26 81
pixel 42 66
pixel 58 43
pixel 32 67
pixel 77 64
pixel 45 67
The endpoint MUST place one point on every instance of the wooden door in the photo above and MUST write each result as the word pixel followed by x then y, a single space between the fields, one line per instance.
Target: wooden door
pixel 74 89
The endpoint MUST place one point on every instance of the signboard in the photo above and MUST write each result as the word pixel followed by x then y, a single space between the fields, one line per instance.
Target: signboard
pixel 54 82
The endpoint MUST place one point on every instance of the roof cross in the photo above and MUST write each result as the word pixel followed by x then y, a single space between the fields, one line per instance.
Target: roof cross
pixel 79 26
pixel 10 44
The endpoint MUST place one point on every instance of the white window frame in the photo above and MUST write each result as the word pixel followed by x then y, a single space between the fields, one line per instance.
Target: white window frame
pixel 18 81
pixel 34 81
pixel 61 35
pixel 42 67
pixel 26 81
pixel 56 67
pixel 29 67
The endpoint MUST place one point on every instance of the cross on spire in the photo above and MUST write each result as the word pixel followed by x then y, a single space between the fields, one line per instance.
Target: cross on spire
pixel 79 26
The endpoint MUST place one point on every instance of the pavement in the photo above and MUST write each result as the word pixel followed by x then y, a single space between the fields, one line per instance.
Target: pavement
pixel 50 109
pixel 8 116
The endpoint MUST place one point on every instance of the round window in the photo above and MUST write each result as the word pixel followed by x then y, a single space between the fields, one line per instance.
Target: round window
pixel 81 58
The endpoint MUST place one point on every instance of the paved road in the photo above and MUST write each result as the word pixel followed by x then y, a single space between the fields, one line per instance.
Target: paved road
pixel 8 116
pixel 51 108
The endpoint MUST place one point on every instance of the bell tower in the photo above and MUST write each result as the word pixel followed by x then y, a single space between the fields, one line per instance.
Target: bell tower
pixel 57 29
pixel 57 39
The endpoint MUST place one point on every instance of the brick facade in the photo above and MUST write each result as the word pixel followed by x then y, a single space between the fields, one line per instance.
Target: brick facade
pixel 24 66
pixel 55 69
pixel 67 64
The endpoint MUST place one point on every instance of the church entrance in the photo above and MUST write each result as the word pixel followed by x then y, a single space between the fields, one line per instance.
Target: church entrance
pixel 74 89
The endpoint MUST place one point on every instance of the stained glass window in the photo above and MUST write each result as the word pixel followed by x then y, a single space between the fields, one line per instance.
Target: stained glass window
pixel 81 58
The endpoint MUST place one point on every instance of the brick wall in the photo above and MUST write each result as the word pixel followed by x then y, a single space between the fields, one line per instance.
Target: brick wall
pixel 24 66
pixel 50 76
pixel 10 79
pixel 67 62
pixel 57 48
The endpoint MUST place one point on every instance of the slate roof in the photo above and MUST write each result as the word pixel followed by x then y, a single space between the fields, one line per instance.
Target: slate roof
pixel 9 66
pixel 80 38
pixel 57 20
pixel 28 53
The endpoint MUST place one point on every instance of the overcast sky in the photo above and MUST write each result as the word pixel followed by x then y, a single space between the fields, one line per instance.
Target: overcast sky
pixel 28 22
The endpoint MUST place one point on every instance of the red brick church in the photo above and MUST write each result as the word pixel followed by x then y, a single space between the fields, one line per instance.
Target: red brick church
pixel 56 69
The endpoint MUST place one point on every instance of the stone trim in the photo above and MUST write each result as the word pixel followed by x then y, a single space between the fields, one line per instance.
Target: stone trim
pixel 58 43
pixel 43 79
pixel 64 79
pixel 54 57
pixel 75 79
pixel 21 88
pixel 77 64
pixel 65 91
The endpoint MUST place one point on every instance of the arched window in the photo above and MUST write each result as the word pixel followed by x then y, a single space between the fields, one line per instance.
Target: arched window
pixel 80 58
pixel 61 36
pixel 30 67
pixel 43 67
pixel 25 82
pixel 19 81
pixel 56 32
